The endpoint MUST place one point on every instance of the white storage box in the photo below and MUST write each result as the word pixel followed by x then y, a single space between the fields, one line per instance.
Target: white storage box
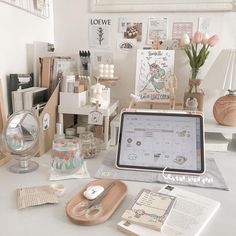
pixel 73 100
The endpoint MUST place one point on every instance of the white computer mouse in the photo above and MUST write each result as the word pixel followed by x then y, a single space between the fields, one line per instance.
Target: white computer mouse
pixel 93 191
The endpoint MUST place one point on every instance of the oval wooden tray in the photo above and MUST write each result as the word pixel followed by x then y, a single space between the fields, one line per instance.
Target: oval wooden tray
pixel 108 204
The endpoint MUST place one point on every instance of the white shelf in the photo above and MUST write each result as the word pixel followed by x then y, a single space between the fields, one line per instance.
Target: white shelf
pixel 212 126
pixel 85 110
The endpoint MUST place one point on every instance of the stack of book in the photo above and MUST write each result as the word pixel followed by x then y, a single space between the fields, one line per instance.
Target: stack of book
pixel 186 215
pixel 216 142
pixel 26 99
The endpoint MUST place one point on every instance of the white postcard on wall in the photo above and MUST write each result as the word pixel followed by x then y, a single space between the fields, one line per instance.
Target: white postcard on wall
pixel 99 32
pixel 154 71
pixel 204 24
pixel 157 27
pixel 122 25
pixel 127 45
pixel 180 28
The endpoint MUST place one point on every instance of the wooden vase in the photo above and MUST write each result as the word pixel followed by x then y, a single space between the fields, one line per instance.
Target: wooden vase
pixel 198 96
pixel 224 110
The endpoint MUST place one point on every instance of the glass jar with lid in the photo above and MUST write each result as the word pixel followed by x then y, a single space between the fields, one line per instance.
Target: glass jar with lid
pixel 66 155
pixel 88 145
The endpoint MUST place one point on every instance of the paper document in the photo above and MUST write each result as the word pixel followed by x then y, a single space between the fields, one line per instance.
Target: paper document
pixel 34 196
pixel 150 209
pixel 190 215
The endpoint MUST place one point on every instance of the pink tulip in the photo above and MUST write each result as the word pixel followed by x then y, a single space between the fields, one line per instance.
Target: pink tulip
pixel 212 41
pixel 205 39
pixel 198 37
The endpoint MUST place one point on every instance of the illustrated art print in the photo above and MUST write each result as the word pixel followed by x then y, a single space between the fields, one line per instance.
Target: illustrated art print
pixel 154 75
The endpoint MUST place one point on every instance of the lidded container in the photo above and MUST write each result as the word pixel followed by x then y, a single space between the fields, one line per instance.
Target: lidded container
pixel 88 145
pixel 66 155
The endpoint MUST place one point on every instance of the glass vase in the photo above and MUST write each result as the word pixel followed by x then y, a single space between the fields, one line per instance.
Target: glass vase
pixel 194 81
pixel 194 95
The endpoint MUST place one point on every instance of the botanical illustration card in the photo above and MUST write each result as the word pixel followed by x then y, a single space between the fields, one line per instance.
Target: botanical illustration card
pixel 150 209
pixel 99 32
pixel 154 73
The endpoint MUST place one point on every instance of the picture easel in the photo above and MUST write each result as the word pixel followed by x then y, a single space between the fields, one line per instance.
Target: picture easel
pixel 172 86
pixel 3 158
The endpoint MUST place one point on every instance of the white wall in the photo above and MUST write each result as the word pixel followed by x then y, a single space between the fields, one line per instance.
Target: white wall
pixel 19 29
pixel 71 34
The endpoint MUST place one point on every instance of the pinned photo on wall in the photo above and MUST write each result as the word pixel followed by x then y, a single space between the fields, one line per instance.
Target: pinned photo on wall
pixel 127 45
pixel 157 27
pixel 154 73
pixel 180 28
pixel 133 31
pixel 99 32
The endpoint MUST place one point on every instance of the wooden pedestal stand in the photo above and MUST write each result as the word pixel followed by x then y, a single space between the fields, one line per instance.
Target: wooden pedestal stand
pixel 106 81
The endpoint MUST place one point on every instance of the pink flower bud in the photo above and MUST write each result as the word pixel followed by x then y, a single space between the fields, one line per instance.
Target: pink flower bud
pixel 197 38
pixel 205 39
pixel 212 41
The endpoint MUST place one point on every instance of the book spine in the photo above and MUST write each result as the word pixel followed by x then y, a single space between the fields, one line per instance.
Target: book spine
pixel 17 101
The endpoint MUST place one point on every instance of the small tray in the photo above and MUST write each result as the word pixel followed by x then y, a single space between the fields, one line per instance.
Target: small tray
pixel 108 204
pixel 107 81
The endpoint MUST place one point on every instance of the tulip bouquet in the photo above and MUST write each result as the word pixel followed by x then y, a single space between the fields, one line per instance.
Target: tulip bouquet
pixel 197 51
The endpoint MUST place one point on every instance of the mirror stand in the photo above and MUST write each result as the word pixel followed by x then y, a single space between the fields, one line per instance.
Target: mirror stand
pixel 24 166
pixel 20 139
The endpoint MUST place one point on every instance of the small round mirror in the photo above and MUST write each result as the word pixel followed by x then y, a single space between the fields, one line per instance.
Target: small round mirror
pixel 20 138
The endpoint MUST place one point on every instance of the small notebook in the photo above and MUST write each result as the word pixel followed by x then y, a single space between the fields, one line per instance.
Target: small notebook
pixel 150 209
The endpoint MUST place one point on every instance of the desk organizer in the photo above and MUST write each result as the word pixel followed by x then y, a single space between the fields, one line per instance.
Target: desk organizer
pixel 108 204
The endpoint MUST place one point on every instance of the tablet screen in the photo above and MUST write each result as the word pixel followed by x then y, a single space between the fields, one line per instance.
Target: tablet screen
pixel 154 141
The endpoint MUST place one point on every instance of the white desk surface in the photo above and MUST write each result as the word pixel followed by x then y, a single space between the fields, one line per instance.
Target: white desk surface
pixel 52 219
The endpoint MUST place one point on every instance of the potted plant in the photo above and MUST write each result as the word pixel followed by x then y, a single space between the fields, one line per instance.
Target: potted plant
pixel 197 51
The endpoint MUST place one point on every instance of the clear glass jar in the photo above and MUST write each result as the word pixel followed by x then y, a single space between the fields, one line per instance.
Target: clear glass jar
pixel 66 155
pixel 88 145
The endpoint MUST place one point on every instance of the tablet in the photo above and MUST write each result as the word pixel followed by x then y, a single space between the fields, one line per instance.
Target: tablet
pixel 155 141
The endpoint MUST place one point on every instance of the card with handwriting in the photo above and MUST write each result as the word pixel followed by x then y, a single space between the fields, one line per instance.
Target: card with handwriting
pixel 150 209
